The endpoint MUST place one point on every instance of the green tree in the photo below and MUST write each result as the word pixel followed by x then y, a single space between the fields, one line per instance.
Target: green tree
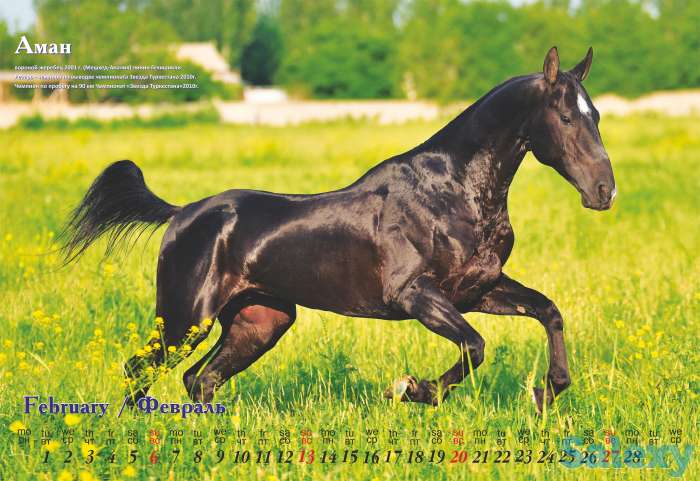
pixel 464 49
pixel 631 45
pixel 7 46
pixel 344 61
pixel 228 23
pixel 680 25
pixel 103 32
pixel 261 57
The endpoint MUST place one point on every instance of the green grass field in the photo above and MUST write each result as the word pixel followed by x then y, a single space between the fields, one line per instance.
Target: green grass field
pixel 626 281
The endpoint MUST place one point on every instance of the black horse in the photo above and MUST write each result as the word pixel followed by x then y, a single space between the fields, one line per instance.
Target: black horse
pixel 423 235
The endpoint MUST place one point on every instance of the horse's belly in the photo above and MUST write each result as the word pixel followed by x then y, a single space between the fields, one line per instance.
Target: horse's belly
pixel 328 269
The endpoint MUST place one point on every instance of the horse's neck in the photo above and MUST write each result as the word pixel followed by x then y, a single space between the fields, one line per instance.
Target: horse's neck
pixel 489 173
pixel 487 143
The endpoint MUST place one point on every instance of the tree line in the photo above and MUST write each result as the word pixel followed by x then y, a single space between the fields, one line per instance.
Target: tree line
pixel 437 49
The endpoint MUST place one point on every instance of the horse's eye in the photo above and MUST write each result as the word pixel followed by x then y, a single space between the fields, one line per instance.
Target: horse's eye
pixel 565 119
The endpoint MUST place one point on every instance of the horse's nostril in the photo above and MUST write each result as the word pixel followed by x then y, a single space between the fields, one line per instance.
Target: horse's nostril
pixel 604 191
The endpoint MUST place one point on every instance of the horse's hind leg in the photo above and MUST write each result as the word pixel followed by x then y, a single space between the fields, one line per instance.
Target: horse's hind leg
pixel 189 291
pixel 245 337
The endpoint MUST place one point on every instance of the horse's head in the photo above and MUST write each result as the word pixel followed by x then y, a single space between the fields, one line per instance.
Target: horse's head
pixel 564 133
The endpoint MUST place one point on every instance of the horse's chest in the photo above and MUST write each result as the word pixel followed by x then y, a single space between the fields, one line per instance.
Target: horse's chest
pixel 477 265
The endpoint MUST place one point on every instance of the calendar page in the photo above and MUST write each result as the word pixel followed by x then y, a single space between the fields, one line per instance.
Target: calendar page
pixel 369 240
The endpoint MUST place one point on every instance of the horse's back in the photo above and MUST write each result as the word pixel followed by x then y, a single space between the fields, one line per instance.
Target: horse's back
pixel 318 251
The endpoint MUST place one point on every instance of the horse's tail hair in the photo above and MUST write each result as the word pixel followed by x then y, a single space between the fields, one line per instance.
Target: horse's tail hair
pixel 118 202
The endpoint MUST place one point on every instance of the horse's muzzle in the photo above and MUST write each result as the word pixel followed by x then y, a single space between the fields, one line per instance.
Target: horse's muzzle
pixel 605 195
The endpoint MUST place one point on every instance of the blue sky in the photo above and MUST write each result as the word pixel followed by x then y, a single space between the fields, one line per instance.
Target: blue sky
pixel 19 14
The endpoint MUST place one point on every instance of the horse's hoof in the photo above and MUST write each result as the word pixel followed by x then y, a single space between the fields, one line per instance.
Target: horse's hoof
pixel 408 389
pixel 400 388
pixel 538 397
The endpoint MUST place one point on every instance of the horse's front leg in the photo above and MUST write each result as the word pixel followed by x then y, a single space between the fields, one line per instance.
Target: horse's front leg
pixel 509 297
pixel 423 301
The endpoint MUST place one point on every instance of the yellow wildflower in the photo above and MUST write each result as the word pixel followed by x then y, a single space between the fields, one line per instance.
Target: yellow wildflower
pixel 194 329
pixel 131 326
pixel 64 476
pixel 85 449
pixel 21 355
pixel 71 419
pixel 172 349
pixel 207 323
pixel 52 446
pixel 619 324
pixel 98 333
pixel 16 426
pixel 38 345
pixel 155 334
pixel 156 346
pixel 159 321
pixel 129 472
pixel 654 354
pixel 86 476
pixel 186 348
pixel 7 343
pixel 140 352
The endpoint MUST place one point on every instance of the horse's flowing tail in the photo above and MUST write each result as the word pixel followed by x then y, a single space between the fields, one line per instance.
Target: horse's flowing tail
pixel 118 201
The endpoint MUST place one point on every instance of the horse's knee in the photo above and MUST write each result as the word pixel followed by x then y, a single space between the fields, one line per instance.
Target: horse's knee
pixel 550 317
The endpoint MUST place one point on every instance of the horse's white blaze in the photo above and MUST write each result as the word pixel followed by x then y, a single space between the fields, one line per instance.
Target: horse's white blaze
pixel 583 105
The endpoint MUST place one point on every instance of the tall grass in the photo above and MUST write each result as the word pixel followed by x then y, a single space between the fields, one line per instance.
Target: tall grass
pixel 626 282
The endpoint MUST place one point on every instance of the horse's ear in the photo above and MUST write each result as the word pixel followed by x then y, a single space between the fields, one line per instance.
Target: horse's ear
pixel 551 66
pixel 581 70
